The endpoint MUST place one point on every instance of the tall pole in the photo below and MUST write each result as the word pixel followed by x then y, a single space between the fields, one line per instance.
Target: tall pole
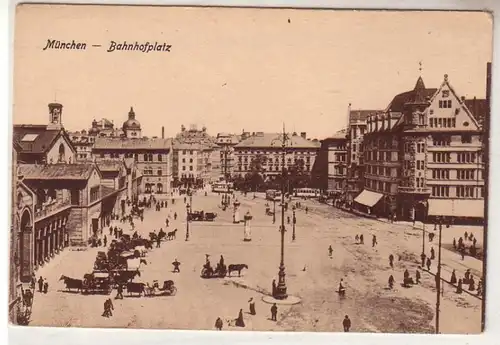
pixel 274 210
pixel 293 223
pixel 187 222
pixel 281 292
pixel 438 278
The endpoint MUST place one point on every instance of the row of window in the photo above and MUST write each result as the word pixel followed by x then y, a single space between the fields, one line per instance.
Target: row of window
pixel 380 156
pixel 461 174
pixel 378 185
pixel 150 172
pixel 147 157
pixel 460 191
pixel 442 122
pixel 446 103
pixel 269 168
pixel 383 171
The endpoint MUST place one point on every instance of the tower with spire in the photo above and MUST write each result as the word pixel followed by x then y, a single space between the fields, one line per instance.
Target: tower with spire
pixel 132 127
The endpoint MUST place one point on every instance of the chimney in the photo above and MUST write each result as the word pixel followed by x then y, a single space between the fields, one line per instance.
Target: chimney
pixel 303 135
pixel 163 132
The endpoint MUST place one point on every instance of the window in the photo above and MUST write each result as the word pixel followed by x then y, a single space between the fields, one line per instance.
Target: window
pixel 441 174
pixel 184 160
pixel 75 197
pixel 183 168
pixel 441 191
pixel 191 160
pixel 190 152
pixel 190 168
pixel 159 157
pixel 353 157
pixel 441 157
pixel 466 139
pixel 421 119
pixel 94 193
pixel 354 147
pixel 465 174
pixel 466 157
pixel 465 191
pixel 441 140
pixel 160 173
pixel 445 103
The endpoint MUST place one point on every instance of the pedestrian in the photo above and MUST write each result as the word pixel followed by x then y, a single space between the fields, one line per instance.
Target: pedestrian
pixel 176 266
pixel 274 312
pixel 374 240
pixel 422 257
pixel 472 283
pixel 288 219
pixel 391 261
pixel 252 306
pixel 466 235
pixel 346 323
pixel 45 286
pixel 462 253
pixel 221 261
pixel 119 292
pixel 428 264
pixel 239 321
pixel 459 286
pixel 391 282
pixel 175 215
pixel 433 254
pixel 454 243
pixel 417 277
pixel 474 241
pixel 330 250
pixel 105 240
pixel 361 239
pixel 167 221
pixel 158 242
pixel 307 209
pixel 274 287
pixel 40 284
pixel 218 324
pixel 356 238
pixel 33 282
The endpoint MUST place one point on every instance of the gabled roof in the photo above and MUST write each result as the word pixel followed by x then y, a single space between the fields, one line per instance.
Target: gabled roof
pixel 110 165
pixel 419 94
pixel 361 115
pixel 132 143
pixel 271 140
pixel 56 171
pixel 35 139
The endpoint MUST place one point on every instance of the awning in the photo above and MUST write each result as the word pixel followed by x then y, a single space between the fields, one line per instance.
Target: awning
pixel 368 198
pixel 456 208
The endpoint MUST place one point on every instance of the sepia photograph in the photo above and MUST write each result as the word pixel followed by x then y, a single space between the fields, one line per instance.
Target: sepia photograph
pixel 249 169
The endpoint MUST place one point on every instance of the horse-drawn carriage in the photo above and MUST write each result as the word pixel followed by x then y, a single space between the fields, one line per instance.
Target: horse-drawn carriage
pixel 202 216
pixel 219 272
pixel 97 282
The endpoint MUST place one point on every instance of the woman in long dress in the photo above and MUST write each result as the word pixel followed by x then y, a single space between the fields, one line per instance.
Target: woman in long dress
pixel 239 320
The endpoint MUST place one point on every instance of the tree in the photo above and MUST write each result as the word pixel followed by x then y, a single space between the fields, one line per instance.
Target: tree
pixel 298 177
pixel 255 177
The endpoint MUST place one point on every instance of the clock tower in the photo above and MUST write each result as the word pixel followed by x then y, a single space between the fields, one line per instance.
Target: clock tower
pixel 55 116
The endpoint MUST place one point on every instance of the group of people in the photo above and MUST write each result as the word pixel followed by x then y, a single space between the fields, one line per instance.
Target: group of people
pixel 461 247
pixel 240 322
pixel 359 239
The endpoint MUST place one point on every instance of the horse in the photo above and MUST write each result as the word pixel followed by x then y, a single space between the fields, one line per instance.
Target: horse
pixel 139 288
pixel 72 283
pixel 124 277
pixel 236 267
pixel 162 234
pixel 153 236
pixel 172 235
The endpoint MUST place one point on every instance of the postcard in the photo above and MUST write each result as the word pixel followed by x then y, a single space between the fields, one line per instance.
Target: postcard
pixel 250 169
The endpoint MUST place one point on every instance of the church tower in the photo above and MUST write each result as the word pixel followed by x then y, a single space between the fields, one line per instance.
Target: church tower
pixel 55 116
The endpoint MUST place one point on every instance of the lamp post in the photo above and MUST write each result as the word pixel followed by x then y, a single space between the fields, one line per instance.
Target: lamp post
pixel 438 277
pixel 294 220
pixel 187 222
pixel 281 288
pixel 274 211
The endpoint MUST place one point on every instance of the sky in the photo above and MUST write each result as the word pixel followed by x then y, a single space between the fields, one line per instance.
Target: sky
pixel 238 69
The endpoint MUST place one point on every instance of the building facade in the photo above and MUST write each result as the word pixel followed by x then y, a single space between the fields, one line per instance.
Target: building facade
pixel 193 157
pixel 334 149
pixel 423 157
pixel 151 156
pixel 226 143
pixel 268 146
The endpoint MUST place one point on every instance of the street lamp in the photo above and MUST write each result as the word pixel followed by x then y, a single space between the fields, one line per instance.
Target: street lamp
pixel 281 288
pixel 294 220
pixel 438 277
pixel 187 222
pixel 274 211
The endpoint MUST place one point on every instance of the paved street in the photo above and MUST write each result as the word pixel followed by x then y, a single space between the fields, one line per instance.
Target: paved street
pixel 311 275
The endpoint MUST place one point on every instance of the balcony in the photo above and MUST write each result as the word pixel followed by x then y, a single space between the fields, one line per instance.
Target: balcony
pixel 51 209
pixel 414 190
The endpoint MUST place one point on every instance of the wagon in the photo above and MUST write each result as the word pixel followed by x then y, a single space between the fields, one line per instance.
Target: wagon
pixel 97 283
pixel 168 288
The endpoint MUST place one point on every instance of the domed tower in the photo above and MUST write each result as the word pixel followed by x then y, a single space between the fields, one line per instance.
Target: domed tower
pixel 95 128
pixel 132 127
